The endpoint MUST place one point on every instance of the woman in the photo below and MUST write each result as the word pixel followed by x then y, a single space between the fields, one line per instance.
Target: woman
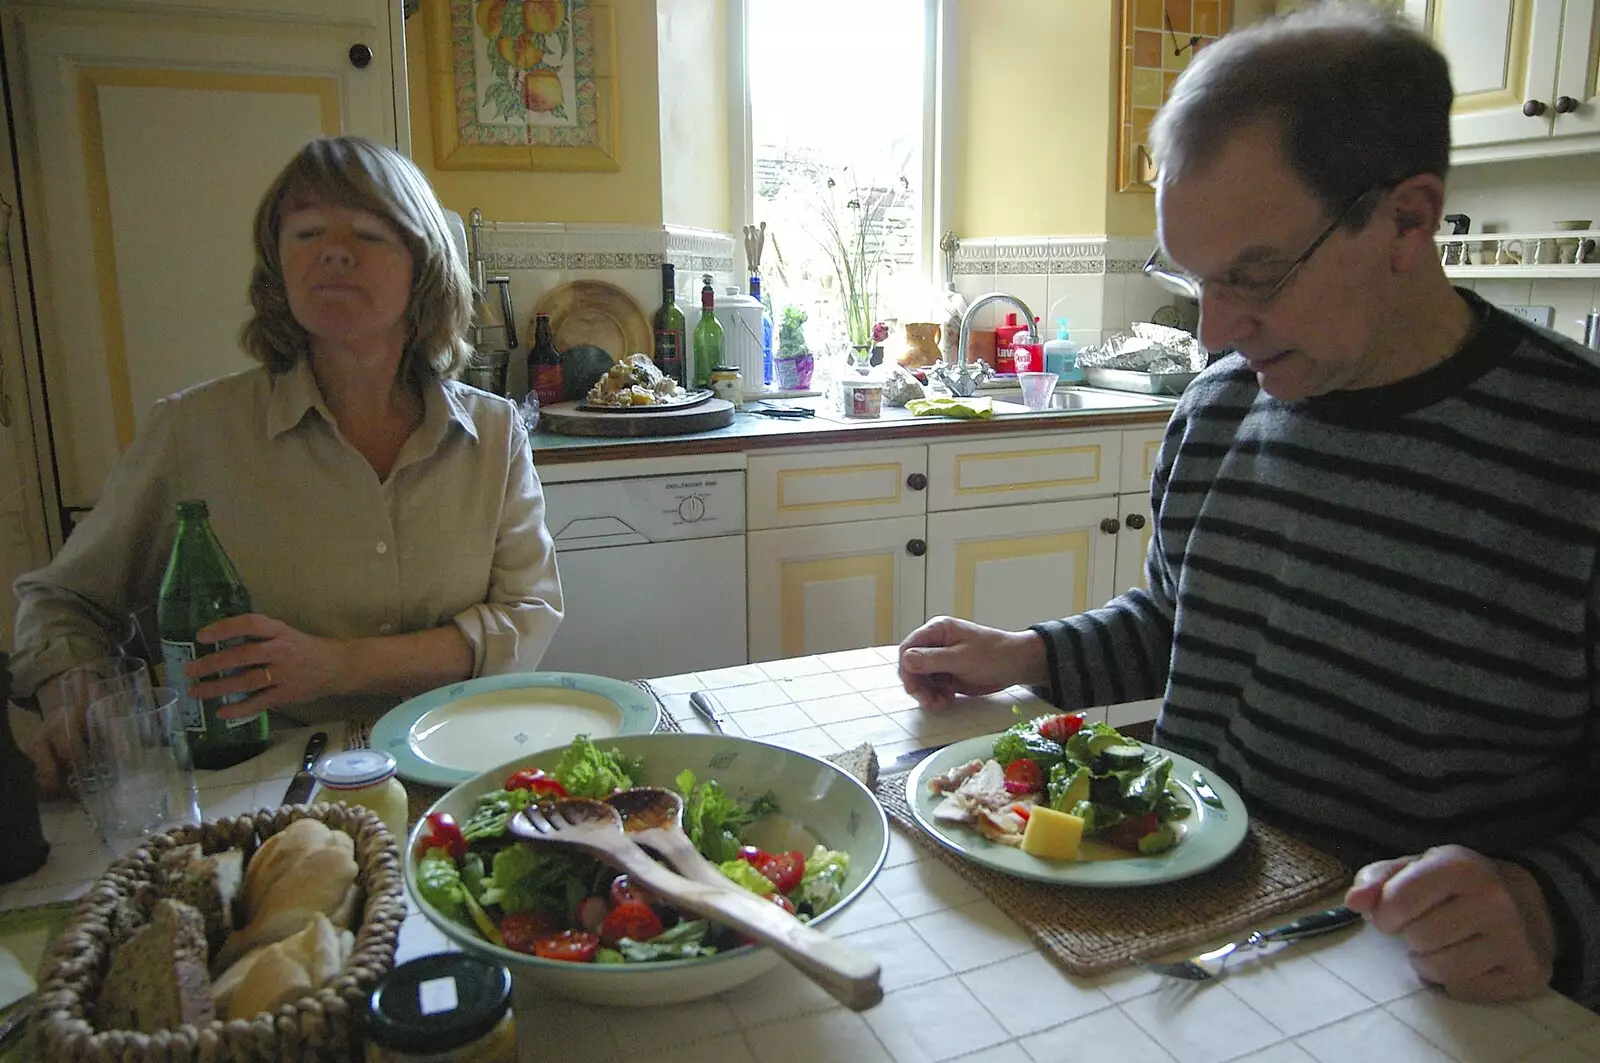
pixel 386 520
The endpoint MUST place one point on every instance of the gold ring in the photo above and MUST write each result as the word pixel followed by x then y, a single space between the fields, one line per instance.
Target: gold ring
pixel 267 674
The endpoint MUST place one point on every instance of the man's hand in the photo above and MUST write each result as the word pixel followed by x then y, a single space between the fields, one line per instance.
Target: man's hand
pixel 278 666
pixel 947 656
pixel 1480 928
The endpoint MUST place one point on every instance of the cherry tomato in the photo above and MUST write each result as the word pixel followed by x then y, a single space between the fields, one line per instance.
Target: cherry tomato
pixel 1060 728
pixel 1024 776
pixel 443 833
pixel 539 782
pixel 783 870
pixel 1024 811
pixel 783 902
pixel 520 931
pixel 573 946
pixel 634 920
pixel 1125 833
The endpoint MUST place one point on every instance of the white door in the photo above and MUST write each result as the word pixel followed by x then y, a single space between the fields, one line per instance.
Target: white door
pixel 1578 76
pixel 1503 54
pixel 1012 566
pixel 834 586
pixel 1133 540
pixel 146 143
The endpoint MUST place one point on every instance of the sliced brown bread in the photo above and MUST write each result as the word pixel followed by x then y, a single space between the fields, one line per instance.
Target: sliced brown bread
pixel 210 884
pixel 158 978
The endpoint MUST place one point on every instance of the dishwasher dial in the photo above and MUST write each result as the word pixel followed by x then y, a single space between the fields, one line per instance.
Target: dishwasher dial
pixel 692 508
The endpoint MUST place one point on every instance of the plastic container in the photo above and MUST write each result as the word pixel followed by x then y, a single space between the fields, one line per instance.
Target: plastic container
pixel 1037 389
pixel 365 778
pixel 862 398
pixel 742 343
pixel 1027 352
pixel 444 1008
pixel 1061 355
pixel 1004 357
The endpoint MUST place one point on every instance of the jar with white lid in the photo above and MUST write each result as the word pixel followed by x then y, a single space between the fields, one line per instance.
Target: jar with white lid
pixel 365 777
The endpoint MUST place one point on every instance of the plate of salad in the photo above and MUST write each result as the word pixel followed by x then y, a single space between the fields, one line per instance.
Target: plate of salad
pixel 448 735
pixel 787 826
pixel 1058 798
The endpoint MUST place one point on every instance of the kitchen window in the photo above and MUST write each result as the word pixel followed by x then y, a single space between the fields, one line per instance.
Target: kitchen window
pixel 836 139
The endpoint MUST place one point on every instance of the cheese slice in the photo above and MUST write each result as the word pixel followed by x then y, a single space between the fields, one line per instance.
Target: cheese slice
pixel 1052 835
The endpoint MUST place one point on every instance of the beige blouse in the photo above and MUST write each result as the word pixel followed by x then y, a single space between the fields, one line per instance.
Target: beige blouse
pixel 455 535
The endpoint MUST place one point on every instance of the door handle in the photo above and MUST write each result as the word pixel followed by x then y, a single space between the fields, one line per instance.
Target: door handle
pixel 916 481
pixel 1566 105
pixel 360 56
pixel 1111 525
pixel 1534 108
pixel 1134 521
pixel 916 547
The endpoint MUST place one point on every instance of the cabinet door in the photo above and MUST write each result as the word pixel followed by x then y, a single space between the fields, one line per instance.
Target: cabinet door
pixel 795 489
pixel 1503 53
pixel 1578 76
pixel 1011 566
pixel 834 586
pixel 1133 539
pixel 1140 449
pixel 146 142
pixel 980 474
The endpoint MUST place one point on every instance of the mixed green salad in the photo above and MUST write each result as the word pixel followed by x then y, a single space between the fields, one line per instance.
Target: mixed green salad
pixel 561 905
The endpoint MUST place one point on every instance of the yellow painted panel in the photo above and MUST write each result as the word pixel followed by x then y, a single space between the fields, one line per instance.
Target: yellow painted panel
pixel 1152 453
pixel 969 555
pixel 1510 92
pixel 90 81
pixel 976 460
pixel 798 574
pixel 791 477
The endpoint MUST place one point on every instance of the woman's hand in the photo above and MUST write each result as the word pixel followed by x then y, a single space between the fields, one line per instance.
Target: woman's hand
pixel 278 666
pixel 948 656
pixel 1478 927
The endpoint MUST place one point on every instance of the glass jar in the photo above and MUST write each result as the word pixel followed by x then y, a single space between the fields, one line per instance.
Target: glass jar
pixel 445 1008
pixel 365 777
pixel 728 383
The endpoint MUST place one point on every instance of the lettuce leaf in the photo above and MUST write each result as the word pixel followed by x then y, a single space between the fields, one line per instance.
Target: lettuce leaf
pixel 545 881
pixel 494 811
pixel 744 874
pixel 440 884
pixel 822 883
pixel 713 820
pixel 588 771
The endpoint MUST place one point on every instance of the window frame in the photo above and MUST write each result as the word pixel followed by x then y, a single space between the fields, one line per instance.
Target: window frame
pixel 940 56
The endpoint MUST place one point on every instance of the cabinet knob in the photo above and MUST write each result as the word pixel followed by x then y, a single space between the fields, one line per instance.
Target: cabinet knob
pixel 1111 525
pixel 1566 105
pixel 1134 520
pixel 360 56
pixel 916 547
pixel 1533 108
pixel 917 481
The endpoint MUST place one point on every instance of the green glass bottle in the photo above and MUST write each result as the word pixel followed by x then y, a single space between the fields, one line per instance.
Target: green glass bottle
pixel 707 337
pixel 200 587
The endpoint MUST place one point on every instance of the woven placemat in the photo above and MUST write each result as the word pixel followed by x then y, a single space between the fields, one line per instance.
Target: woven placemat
pixel 1088 931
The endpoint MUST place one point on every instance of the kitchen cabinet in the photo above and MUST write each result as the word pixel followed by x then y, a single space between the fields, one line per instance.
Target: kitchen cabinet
pixel 837 485
pixel 145 139
pixel 834 586
pixel 1524 74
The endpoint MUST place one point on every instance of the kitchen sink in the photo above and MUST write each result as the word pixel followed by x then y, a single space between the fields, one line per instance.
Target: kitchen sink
pixel 1010 402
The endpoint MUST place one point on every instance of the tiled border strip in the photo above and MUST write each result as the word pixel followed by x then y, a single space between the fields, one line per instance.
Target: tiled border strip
pixel 543 245
pixel 1047 255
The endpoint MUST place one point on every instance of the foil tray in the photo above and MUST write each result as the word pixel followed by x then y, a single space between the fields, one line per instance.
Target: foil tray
pixel 1137 380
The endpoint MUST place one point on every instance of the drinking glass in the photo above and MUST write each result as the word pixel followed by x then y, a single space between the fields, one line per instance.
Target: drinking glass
pixel 66 702
pixel 136 739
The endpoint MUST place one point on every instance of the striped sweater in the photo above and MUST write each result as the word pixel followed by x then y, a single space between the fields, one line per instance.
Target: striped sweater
pixel 1377 612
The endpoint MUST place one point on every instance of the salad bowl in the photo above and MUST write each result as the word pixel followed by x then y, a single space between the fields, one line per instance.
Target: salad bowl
pixel 819 802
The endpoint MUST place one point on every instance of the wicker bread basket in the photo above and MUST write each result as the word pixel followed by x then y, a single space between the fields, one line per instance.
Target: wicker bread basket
pixel 322 1026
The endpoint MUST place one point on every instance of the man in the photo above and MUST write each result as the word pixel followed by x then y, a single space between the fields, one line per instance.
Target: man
pixel 1373 600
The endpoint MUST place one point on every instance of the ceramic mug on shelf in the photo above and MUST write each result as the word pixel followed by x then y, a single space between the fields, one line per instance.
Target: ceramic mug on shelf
pixel 1508 253
pixel 1545 251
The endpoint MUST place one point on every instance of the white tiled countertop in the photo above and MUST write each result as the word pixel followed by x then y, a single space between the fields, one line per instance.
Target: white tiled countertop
pixel 961 981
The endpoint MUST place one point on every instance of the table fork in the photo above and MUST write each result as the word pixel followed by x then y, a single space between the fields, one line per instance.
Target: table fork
pixel 1208 965
pixel 849 975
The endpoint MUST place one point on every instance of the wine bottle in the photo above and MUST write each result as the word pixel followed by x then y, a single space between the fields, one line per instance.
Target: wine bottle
pixel 544 363
pixel 707 336
pixel 670 345
pixel 200 587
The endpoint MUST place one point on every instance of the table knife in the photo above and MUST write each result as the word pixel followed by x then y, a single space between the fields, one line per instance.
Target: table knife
pixel 300 786
pixel 704 704
pixel 906 761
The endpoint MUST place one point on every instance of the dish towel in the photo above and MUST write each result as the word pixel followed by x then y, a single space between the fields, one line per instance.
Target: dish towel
pixel 974 408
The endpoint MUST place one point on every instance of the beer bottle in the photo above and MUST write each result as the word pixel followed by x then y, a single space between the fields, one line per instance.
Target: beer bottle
pixel 200 586
pixel 544 363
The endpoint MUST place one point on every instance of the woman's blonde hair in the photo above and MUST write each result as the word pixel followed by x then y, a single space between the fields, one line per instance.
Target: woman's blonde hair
pixel 357 173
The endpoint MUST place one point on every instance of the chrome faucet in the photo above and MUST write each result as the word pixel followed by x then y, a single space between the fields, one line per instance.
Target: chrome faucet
pixel 963 380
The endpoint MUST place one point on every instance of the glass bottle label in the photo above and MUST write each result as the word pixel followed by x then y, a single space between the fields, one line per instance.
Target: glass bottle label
pixel 192 711
pixel 668 358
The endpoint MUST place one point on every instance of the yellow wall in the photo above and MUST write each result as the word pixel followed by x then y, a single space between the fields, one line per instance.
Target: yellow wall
pixel 632 195
pixel 692 54
pixel 1051 68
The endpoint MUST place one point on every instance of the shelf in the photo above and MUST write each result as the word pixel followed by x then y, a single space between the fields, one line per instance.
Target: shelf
pixel 1585 271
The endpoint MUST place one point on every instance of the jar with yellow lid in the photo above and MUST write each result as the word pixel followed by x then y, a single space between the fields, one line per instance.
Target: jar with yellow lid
pixel 728 383
pixel 365 777
pixel 445 1008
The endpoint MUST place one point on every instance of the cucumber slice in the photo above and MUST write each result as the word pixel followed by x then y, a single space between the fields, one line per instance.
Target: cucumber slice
pixel 1125 756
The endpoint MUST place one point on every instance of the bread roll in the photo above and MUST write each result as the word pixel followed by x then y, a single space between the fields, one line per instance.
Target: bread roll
pixel 304 870
pixel 279 973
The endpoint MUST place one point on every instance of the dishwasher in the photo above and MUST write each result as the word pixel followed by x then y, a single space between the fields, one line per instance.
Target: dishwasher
pixel 652 572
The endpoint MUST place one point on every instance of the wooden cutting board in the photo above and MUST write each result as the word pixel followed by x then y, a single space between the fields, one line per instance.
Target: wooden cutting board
pixel 565 418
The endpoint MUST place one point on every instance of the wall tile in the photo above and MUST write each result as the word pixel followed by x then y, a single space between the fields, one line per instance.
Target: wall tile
pixel 1506 292
pixel 1572 300
pixel 1077 297
pixel 1030 288
pixel 1141 297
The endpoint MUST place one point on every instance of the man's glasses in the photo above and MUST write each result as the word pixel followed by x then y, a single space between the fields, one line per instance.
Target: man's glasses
pixel 1254 294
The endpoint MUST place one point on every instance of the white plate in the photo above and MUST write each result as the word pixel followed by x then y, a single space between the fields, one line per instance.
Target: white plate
pixel 1210 835
pixel 447 736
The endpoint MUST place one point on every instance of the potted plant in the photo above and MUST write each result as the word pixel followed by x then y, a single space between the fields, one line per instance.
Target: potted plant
pixel 793 361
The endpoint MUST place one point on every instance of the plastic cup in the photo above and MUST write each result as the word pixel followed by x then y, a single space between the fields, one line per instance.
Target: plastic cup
pixel 1037 389
pixel 143 754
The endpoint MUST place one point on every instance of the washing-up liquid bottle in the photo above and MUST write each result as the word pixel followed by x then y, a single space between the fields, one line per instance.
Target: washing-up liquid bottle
pixel 1061 355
